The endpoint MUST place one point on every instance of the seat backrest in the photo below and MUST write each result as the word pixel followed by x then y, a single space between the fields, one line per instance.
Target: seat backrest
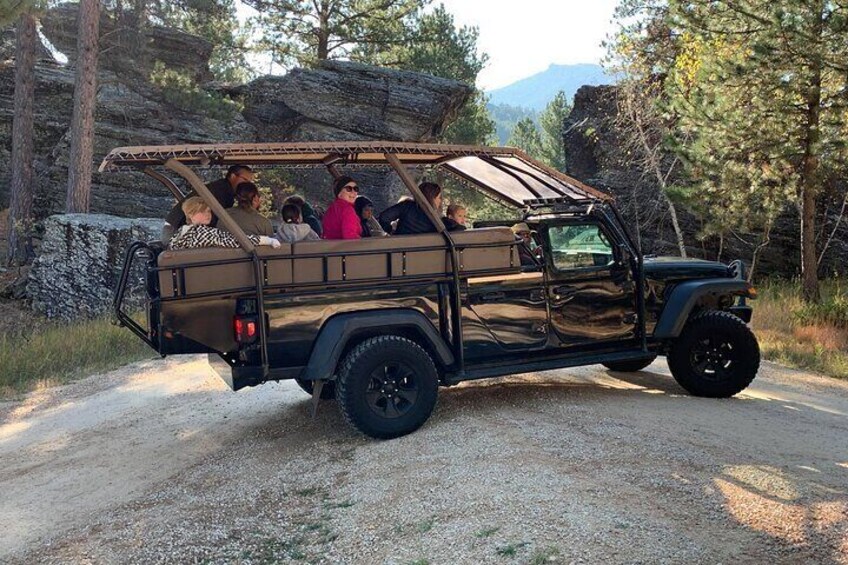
pixel 193 271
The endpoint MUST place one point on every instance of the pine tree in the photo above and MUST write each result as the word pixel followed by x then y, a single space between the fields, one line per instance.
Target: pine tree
pixel 19 248
pixel 551 120
pixel 525 136
pixel 85 99
pixel 302 32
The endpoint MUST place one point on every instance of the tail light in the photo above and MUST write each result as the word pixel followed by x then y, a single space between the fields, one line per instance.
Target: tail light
pixel 245 328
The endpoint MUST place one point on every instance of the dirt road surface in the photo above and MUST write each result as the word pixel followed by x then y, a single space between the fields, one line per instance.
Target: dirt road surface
pixel 159 462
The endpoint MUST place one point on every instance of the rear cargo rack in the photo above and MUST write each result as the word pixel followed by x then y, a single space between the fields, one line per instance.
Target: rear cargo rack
pixel 138 249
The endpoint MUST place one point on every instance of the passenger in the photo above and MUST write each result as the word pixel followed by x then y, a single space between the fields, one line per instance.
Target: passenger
pixel 308 213
pixel 365 210
pixel 222 189
pixel 454 219
pixel 340 221
pixel 293 229
pixel 198 233
pixel 246 214
pixel 524 235
pixel 411 219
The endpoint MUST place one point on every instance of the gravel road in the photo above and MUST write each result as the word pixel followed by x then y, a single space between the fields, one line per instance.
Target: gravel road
pixel 159 462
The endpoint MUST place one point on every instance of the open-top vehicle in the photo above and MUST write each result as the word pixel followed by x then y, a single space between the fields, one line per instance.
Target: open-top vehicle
pixel 381 323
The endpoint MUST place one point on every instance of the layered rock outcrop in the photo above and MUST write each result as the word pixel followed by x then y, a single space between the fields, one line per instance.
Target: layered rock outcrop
pixel 336 101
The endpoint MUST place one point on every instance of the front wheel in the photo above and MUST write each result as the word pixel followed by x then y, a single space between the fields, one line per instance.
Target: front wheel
pixel 715 356
pixel 387 386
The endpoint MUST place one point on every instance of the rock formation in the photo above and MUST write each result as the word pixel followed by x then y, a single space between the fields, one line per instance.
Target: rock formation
pixel 80 262
pixel 336 101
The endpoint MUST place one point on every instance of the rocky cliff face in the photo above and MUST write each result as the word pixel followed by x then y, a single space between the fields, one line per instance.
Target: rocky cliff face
pixel 337 101
pixel 596 155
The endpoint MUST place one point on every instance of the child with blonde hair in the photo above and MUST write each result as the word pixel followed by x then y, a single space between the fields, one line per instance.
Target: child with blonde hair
pixel 197 233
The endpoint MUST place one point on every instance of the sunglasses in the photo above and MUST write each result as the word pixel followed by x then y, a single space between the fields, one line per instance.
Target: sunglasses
pixel 351 188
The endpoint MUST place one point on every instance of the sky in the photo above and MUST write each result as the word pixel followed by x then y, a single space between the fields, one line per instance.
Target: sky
pixel 525 37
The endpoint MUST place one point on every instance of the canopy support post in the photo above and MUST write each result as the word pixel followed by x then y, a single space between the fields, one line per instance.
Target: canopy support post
pixel 169 184
pixel 232 227
pixel 456 306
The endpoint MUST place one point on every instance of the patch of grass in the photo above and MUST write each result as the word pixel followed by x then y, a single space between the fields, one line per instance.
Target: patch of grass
pixel 425 526
pixel 419 562
pixel 805 336
pixel 486 532
pixel 510 550
pixel 543 556
pixel 58 353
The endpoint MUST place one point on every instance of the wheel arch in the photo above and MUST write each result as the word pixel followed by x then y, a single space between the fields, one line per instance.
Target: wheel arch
pixel 687 296
pixel 344 331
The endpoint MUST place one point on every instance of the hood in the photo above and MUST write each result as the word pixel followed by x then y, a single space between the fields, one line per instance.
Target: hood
pixel 679 268
pixel 292 233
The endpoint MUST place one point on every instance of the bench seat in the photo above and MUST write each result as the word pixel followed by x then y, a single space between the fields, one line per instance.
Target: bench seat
pixel 194 271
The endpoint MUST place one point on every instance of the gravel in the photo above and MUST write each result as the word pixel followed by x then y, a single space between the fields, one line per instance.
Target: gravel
pixel 158 462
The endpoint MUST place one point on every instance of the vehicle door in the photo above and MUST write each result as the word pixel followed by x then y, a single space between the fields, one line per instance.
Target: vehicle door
pixel 505 313
pixel 591 288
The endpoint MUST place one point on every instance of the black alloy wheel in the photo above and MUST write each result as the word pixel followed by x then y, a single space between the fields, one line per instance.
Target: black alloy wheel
pixel 387 386
pixel 715 356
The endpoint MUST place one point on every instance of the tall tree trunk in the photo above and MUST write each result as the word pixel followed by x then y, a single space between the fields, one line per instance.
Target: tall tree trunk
pixel 809 182
pixel 20 208
pixel 85 98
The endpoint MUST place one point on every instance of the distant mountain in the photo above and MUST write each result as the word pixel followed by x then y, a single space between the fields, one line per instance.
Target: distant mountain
pixel 534 92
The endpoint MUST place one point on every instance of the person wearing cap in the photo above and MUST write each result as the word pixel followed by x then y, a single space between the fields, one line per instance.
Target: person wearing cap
pixel 340 220
pixel 524 235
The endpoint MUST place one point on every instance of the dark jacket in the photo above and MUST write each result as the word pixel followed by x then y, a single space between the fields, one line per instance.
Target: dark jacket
pixel 308 215
pixel 220 189
pixel 452 225
pixel 410 217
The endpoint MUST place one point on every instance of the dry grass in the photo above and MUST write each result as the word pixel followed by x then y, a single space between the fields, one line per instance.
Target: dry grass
pixel 56 353
pixel 803 336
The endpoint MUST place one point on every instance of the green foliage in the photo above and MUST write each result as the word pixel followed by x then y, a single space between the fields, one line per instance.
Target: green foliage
pixel 506 116
pixel 473 125
pixel 832 310
pixel 754 91
pixel 302 32
pixel 58 353
pixel 11 9
pixel 525 135
pixel 551 121
pixel 183 92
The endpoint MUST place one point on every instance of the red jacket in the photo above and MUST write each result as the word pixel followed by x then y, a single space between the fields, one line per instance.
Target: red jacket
pixel 341 222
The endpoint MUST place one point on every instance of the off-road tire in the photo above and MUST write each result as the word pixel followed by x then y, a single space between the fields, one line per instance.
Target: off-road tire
pixel 327 393
pixel 366 376
pixel 629 366
pixel 734 349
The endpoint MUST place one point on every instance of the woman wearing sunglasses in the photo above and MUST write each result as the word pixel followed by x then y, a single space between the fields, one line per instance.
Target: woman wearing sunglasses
pixel 341 221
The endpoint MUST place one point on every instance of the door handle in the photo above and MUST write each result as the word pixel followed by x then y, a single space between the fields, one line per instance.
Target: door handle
pixel 564 290
pixel 493 296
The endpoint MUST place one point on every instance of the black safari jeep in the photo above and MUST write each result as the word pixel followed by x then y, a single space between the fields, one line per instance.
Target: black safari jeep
pixel 381 323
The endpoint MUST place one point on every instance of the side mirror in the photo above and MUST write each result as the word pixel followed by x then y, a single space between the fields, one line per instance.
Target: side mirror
pixel 625 255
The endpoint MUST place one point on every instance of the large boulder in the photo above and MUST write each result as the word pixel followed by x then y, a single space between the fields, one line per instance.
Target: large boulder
pixel 80 262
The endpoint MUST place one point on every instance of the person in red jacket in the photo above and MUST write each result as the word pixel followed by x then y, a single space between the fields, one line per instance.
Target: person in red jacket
pixel 340 221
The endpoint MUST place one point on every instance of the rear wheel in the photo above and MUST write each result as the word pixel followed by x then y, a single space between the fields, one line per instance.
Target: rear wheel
pixel 387 387
pixel 629 366
pixel 716 355
pixel 327 393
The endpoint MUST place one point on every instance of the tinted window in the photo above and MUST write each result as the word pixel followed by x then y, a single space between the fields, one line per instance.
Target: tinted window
pixel 579 246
